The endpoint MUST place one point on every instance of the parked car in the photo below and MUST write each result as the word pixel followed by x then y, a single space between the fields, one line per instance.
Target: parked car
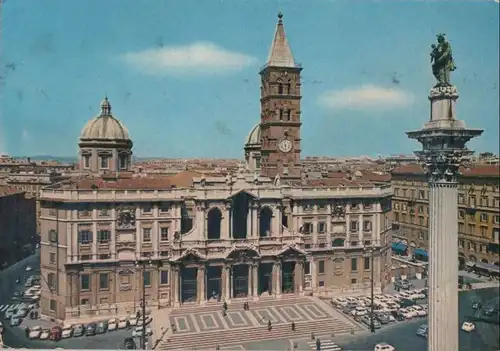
pixel 146 320
pixel 403 284
pixel 358 311
pixel 132 321
pixel 22 313
pixel 112 324
pixel 398 315
pixel 28 268
pixel 35 332
pixel 90 329
pixel 67 331
pixel 384 347
pixel 382 318
pixel 477 305
pixel 122 323
pixel 490 311
pixel 101 328
pixel 78 330
pixel 406 303
pixel 44 335
pixel 421 312
pixel 14 321
pixel 137 332
pixel 55 333
pixel 423 330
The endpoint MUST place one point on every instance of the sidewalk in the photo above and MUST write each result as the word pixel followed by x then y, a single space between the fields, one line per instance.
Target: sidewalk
pixel 161 326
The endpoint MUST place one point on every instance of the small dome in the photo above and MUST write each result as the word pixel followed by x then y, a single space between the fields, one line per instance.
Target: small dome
pixel 105 126
pixel 253 138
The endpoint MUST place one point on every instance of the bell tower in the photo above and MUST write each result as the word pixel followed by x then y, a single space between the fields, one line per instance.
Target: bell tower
pixel 280 110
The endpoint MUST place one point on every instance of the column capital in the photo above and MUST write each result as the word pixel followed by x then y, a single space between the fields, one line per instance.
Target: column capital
pixel 442 166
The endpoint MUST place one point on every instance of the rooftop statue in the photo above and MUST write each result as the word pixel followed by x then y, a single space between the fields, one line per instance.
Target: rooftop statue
pixel 442 61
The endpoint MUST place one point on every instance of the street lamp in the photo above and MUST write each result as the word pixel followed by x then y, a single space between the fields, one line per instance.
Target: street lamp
pixel 143 264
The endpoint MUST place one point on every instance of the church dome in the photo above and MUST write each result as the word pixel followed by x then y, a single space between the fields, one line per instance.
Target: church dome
pixel 253 138
pixel 105 126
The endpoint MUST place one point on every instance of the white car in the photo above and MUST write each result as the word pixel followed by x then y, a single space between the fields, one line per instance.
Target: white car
pixel 407 314
pixel 358 311
pixel 384 347
pixel 468 327
pixel 28 269
pixel 44 335
pixel 112 325
pixel 132 320
pixel 35 332
pixel 339 302
pixel 137 332
pixel 413 311
pixel 122 323
pixel 421 312
pixel 417 295
pixel 67 331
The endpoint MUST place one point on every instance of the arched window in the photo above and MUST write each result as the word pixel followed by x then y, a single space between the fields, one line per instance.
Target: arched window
pixel 339 242
pixel 266 217
pixel 472 258
pixel 484 260
pixel 214 221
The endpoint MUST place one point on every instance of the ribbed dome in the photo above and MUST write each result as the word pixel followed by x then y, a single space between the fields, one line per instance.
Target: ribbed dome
pixel 105 126
pixel 253 138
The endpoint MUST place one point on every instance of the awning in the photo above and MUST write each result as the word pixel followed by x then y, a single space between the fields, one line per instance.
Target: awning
pixel 421 252
pixel 399 247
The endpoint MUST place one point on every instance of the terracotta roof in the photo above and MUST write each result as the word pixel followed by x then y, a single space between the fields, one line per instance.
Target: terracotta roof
pixel 375 177
pixel 334 182
pixel 473 171
pixel 5 191
pixel 184 179
pixel 139 183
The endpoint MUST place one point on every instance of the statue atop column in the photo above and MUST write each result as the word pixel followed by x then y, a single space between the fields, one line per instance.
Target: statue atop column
pixel 442 61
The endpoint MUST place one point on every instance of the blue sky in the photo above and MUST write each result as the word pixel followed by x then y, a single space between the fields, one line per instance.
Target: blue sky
pixel 183 75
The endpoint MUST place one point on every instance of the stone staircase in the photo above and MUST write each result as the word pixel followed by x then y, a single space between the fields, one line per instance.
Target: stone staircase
pixel 211 339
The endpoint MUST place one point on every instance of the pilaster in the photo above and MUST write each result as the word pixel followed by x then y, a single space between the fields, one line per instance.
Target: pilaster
pixel 113 234
pixel 277 278
pixel 299 277
pixel 94 234
pixel 314 274
pixel 360 228
pixel 348 225
pixel 255 221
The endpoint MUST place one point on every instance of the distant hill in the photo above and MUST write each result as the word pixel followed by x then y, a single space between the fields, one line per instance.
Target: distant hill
pixel 61 159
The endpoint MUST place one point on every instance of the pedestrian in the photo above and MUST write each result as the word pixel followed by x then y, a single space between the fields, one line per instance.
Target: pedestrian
pixel 318 345
pixel 293 326
pixel 269 326
pixel 224 306
pixel 27 331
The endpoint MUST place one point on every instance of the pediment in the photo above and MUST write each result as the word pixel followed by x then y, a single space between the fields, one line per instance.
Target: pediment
pixel 243 253
pixel 191 256
pixel 292 251
pixel 243 191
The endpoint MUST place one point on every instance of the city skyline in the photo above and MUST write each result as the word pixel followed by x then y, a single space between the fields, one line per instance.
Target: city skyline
pixel 357 99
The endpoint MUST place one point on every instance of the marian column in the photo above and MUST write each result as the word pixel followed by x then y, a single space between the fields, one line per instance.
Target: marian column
pixel 443 141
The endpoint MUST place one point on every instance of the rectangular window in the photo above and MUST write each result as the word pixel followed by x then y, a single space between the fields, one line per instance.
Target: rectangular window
pixel 164 234
pixel 321 227
pixel 163 277
pixel 421 221
pixel 484 217
pixel 367 263
pixel 354 281
pixel 147 209
pixel 484 201
pixel 52 257
pixel 367 226
pixel 123 161
pixel 307 228
pixel 164 207
pixel 103 236
pixel 103 281
pixel 461 228
pixel 85 236
pixel 104 256
pixel 354 226
pixel 147 278
pixel 421 194
pixel 496 235
pixel 146 235
pixel 257 162
pixel 354 264
pixel 53 305
pixel 86 162
pixel 496 220
pixel 51 282
pixel 472 201
pixel 85 282
pixel 321 267
pixel 461 214
pixel 461 199
pixel 104 162
pixel 307 268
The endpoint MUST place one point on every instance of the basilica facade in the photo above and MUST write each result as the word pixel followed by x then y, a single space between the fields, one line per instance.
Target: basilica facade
pixel 111 238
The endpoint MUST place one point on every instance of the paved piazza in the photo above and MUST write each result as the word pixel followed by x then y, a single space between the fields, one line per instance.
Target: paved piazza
pixel 207 327
pixel 278 313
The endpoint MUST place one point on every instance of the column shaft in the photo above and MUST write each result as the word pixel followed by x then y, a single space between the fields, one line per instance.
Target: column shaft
pixel 255 280
pixel 176 280
pixel 278 273
pixel 443 267
pixel 201 284
pixel 250 279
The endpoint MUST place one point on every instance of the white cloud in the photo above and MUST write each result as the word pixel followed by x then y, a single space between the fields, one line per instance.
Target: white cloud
pixel 366 97
pixel 200 58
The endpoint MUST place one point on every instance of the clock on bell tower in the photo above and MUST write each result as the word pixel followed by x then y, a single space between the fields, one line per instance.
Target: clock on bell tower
pixel 280 110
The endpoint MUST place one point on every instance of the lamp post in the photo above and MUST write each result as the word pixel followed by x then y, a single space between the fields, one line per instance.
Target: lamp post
pixel 143 264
